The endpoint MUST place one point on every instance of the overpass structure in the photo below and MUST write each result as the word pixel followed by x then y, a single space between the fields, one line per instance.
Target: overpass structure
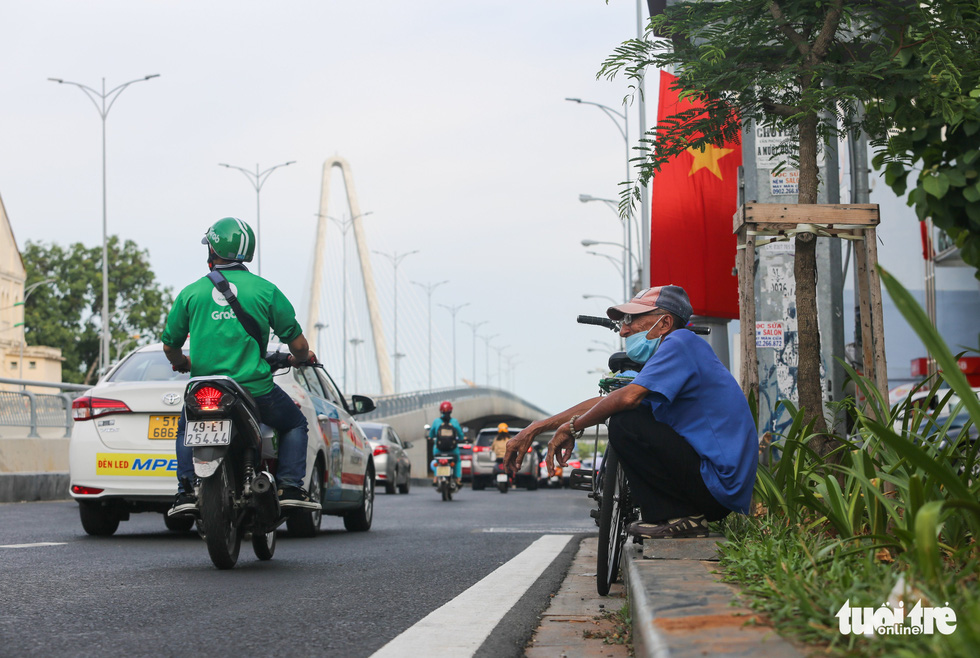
pixel 474 407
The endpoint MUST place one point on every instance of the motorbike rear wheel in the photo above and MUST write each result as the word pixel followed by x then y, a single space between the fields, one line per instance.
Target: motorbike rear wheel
pixel 502 486
pixel 218 518
pixel 444 490
pixel 264 544
pixel 613 506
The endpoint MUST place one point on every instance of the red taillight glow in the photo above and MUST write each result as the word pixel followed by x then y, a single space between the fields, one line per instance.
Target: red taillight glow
pixel 481 448
pixel 208 398
pixel 381 450
pixel 87 408
pixel 443 462
pixel 85 491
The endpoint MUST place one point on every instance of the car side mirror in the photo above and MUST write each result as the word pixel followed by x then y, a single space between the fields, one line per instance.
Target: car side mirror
pixel 361 404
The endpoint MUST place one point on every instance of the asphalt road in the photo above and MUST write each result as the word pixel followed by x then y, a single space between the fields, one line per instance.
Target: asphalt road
pixel 148 591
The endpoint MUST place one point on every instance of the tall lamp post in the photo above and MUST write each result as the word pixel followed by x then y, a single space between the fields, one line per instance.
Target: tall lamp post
pixel 454 309
pixel 474 326
pixel 257 180
pixel 396 260
pixel 320 326
pixel 628 228
pixel 103 110
pixel 23 339
pixel 344 225
pixel 486 344
pixel 354 343
pixel 628 265
pixel 624 130
pixel 428 288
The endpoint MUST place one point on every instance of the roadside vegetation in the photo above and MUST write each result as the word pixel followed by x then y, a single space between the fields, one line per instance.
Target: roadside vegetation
pixel 892 519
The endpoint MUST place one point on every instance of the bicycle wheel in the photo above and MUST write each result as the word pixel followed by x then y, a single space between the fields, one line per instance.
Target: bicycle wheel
pixel 612 529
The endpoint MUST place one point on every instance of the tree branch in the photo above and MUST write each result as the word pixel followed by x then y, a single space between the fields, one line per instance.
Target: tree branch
pixel 825 38
pixel 787 30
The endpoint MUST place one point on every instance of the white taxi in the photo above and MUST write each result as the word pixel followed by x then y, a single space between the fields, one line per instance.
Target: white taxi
pixel 122 458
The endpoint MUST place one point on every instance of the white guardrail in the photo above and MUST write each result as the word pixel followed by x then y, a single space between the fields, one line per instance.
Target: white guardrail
pixel 31 410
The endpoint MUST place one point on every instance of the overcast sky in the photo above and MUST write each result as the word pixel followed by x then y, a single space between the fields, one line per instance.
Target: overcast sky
pixel 450 113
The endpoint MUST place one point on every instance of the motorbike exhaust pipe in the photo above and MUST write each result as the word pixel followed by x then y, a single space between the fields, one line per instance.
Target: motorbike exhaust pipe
pixel 265 499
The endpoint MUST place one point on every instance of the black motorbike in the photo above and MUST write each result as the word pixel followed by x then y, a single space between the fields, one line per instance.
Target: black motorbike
pixel 237 489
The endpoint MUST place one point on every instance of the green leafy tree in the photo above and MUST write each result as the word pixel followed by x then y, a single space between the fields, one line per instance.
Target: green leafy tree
pixel 936 124
pixel 67 312
pixel 806 66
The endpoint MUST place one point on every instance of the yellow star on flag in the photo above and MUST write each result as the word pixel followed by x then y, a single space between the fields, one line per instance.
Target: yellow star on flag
pixel 708 159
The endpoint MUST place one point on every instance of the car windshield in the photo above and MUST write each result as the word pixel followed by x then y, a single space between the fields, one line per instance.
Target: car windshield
pixel 486 438
pixel 147 367
pixel 373 433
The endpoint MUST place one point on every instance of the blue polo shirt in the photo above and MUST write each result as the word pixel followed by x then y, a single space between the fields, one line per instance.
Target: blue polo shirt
pixel 693 393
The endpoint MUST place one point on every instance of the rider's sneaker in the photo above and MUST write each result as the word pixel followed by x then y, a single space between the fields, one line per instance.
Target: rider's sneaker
pixel 296 497
pixel 185 504
pixel 683 527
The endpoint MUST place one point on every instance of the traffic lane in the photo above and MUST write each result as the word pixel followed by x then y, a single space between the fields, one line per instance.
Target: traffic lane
pixel 147 590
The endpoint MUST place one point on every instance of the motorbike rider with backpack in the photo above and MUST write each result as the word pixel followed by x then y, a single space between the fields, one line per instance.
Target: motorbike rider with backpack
pixel 223 345
pixel 446 433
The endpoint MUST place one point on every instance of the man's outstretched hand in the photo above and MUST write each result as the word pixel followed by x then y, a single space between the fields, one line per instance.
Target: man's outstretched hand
pixel 183 366
pixel 560 447
pixel 517 447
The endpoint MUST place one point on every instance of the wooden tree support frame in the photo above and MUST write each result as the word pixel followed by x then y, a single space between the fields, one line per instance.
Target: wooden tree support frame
pixel 759 223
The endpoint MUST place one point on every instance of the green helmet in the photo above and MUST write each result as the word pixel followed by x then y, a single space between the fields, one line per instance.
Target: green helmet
pixel 232 239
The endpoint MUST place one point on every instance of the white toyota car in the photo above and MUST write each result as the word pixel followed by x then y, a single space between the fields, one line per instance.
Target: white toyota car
pixel 122 458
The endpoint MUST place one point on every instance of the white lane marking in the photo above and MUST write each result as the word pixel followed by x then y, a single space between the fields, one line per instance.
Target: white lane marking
pixel 40 543
pixel 459 627
pixel 550 531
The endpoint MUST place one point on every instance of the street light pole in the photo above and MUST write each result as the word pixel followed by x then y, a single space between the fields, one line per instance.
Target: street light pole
pixel 627 265
pixel 624 130
pixel 429 287
pixel 257 180
pixel 454 309
pixel 486 344
pixel 627 232
pixel 474 326
pixel 354 343
pixel 23 338
pixel 396 260
pixel 344 224
pixel 103 111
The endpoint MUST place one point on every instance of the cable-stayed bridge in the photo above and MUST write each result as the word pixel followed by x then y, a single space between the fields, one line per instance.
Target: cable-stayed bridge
pixel 355 304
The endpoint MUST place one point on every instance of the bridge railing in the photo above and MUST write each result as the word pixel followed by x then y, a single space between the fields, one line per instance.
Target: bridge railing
pixel 392 405
pixel 33 410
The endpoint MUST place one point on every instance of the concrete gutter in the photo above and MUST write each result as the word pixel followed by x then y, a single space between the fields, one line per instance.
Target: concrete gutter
pixel 680 606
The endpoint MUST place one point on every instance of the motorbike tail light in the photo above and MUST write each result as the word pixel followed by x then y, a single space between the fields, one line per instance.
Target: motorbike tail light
pixel 85 491
pixel 87 407
pixel 443 462
pixel 381 450
pixel 208 398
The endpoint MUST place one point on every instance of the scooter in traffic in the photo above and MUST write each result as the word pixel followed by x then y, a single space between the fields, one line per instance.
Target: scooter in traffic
pixel 234 463
pixel 501 476
pixel 446 483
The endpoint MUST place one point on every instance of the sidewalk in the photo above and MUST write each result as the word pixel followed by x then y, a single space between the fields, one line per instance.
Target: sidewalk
pixel 678 608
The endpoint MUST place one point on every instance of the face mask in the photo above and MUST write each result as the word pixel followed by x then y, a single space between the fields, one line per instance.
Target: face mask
pixel 639 349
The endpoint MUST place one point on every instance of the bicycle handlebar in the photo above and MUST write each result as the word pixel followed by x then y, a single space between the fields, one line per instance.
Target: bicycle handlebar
pixel 614 326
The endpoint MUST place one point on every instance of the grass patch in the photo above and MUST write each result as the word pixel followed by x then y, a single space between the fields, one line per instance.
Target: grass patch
pixel 617 627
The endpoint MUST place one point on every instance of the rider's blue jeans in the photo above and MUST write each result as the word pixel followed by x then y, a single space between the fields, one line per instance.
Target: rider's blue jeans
pixel 278 411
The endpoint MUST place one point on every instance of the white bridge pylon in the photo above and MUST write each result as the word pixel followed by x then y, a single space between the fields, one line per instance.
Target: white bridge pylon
pixel 371 295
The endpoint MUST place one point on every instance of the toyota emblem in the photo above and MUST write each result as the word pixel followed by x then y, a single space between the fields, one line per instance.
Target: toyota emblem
pixel 172 399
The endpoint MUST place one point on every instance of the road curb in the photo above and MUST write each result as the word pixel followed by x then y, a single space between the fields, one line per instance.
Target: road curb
pixel 28 487
pixel 680 606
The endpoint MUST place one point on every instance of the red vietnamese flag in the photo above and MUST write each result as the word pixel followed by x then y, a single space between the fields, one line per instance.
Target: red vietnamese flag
pixel 692 201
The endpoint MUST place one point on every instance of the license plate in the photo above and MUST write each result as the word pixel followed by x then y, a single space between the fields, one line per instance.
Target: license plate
pixel 501 477
pixel 467 463
pixel 443 471
pixel 207 433
pixel 162 427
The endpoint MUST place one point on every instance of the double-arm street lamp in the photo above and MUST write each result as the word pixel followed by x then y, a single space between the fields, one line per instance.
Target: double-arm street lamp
pixel 486 343
pixel 354 343
pixel 396 260
pixel 429 288
pixel 344 225
pixel 453 310
pixel 627 233
pixel 103 108
pixel 257 179
pixel 474 326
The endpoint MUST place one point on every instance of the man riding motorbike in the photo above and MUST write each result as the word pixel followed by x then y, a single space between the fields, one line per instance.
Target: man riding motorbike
pixel 222 346
pixel 499 445
pixel 446 409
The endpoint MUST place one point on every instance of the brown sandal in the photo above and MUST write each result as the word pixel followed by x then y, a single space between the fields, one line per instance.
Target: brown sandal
pixel 684 527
